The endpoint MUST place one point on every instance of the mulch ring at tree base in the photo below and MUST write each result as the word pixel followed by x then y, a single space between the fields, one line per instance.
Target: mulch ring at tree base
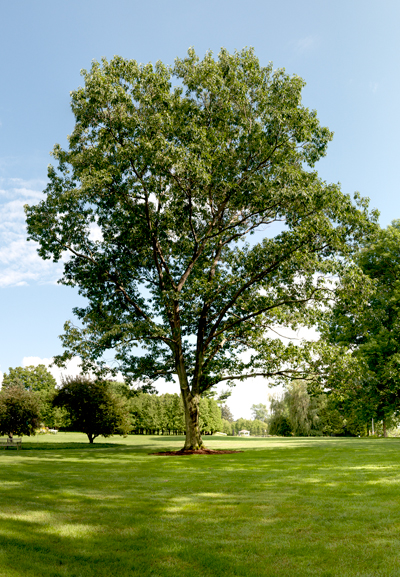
pixel 196 452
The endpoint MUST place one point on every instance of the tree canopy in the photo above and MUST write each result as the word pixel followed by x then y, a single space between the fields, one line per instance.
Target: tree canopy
pixel 259 412
pixel 37 379
pixel 156 201
pixel 92 407
pixel 19 411
pixel 368 332
pixel 40 381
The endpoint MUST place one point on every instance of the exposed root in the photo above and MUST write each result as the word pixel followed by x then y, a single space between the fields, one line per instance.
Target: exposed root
pixel 203 451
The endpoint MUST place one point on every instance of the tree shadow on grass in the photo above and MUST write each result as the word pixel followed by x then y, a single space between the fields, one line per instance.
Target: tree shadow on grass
pixel 275 513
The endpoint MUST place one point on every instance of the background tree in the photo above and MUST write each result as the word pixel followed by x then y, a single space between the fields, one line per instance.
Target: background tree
pixel 39 380
pixel 254 426
pixel 279 421
pixel 227 427
pixel 226 413
pixel 300 414
pixel 32 378
pixel 92 408
pixel 19 411
pixel 368 335
pixel 177 179
pixel 209 416
pixel 259 412
pixel 154 414
pixel 299 408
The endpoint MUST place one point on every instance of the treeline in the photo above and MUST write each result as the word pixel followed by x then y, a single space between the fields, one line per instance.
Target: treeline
pixel 256 427
pixel 163 414
pixel 30 397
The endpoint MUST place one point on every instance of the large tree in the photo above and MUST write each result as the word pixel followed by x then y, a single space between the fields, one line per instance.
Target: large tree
pixel 156 201
pixel 367 333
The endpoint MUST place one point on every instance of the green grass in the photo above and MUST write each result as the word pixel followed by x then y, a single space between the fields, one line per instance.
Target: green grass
pixel 283 507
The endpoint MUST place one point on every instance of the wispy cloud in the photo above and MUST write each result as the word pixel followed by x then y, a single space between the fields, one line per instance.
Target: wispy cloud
pixel 19 261
pixel 306 44
pixel 373 86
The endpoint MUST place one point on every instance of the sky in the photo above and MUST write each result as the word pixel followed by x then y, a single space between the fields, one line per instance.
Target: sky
pixel 348 52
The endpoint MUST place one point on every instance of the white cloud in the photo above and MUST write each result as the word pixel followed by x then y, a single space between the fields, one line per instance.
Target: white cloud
pixel 306 44
pixel 373 86
pixel 19 261
pixel 72 369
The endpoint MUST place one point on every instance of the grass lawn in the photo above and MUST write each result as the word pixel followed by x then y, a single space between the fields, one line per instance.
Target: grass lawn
pixel 283 507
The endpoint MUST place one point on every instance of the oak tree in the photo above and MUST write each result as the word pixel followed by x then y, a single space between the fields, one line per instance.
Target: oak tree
pixel 164 202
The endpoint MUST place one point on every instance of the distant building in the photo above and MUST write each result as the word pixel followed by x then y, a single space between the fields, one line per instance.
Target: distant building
pixel 244 433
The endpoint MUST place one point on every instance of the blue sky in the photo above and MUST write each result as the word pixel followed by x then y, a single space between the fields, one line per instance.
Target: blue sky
pixel 348 52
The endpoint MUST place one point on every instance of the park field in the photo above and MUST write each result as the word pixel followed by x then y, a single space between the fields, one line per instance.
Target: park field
pixel 282 507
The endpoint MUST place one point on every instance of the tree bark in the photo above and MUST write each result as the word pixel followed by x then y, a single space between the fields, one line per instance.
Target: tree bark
pixel 193 439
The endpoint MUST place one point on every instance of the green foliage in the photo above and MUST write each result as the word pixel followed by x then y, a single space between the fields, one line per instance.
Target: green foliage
pixel 299 408
pixel 154 413
pixel 19 410
pixel 329 421
pixel 210 416
pixel 39 380
pixel 226 413
pixel 300 414
pixel 177 179
pixel 227 427
pixel 367 334
pixel 280 425
pixel 255 426
pixel 259 412
pixel 92 407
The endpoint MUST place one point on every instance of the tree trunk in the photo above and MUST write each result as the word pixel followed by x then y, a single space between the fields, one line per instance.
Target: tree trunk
pixel 193 439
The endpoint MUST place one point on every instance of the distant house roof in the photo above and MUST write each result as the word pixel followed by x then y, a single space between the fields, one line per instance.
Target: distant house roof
pixel 244 432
